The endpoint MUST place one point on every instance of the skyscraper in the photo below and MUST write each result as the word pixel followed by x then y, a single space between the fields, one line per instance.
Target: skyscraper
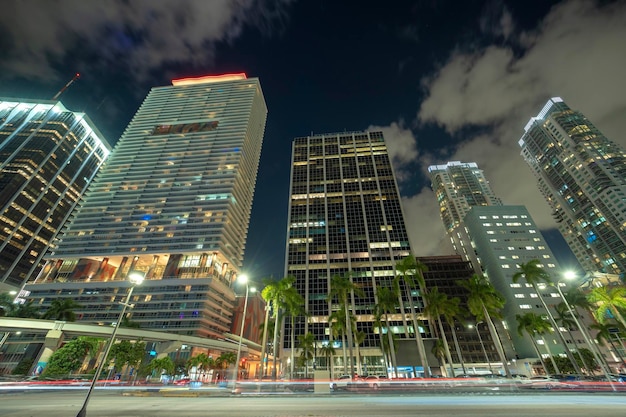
pixel 458 187
pixel 345 216
pixel 48 156
pixel 495 238
pixel 582 175
pixel 174 203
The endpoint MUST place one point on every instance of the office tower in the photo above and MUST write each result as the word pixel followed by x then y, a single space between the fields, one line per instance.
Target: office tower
pixel 495 238
pixel 478 353
pixel 458 187
pixel 173 203
pixel 345 216
pixel 582 175
pixel 48 157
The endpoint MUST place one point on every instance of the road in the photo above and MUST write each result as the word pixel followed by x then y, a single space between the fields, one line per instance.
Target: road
pixel 114 404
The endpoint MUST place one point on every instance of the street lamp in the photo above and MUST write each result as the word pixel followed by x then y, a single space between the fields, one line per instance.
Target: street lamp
pixel 242 279
pixel 135 278
pixel 569 275
pixel 482 345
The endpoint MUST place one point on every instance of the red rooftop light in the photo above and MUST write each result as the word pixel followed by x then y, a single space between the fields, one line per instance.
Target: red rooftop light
pixel 210 79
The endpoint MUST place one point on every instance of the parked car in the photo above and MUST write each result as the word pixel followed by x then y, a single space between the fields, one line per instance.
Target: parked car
pixel 375 381
pixel 182 381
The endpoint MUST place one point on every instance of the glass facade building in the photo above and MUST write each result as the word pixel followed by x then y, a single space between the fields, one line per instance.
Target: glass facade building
pixel 173 203
pixel 48 157
pixel 345 215
pixel 582 175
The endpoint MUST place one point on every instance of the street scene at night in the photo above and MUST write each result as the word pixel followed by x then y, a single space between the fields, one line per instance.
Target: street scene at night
pixel 312 208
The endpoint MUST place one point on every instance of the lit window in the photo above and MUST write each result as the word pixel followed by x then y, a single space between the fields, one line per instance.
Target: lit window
pixel 520 296
pixel 525 306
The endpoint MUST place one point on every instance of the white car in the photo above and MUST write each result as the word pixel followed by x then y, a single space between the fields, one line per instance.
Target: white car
pixel 340 383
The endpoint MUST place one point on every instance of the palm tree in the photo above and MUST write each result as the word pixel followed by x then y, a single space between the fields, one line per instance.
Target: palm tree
pixel 387 303
pixel 307 344
pixel 341 287
pixel 534 275
pixel 225 360
pixel 411 273
pixel 337 324
pixel 202 362
pixel 359 338
pixel 608 300
pixel 484 302
pixel 278 292
pixel 294 306
pixel 534 324
pixel 62 309
pixel 437 305
pixel 439 351
pixel 328 351
pixel 565 319
pixel 604 334
pixel 7 306
pixel 452 312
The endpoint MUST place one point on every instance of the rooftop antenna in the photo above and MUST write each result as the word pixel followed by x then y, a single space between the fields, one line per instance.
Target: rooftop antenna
pixel 61 91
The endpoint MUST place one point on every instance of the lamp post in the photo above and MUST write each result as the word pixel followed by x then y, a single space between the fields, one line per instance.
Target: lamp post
pixel 482 345
pixel 243 279
pixel 135 278
pixel 571 275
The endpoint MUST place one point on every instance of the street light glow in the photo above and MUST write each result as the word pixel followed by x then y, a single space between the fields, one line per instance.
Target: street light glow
pixel 242 279
pixel 569 275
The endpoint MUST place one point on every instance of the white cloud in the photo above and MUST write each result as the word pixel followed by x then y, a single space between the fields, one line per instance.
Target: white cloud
pixel 139 35
pixel 577 52
pixel 400 146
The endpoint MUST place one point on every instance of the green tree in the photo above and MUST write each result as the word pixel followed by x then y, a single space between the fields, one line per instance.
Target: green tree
pixel 386 305
pixel 337 323
pixel 277 293
pixel 306 343
pixel 70 357
pixel 535 275
pixel 62 309
pixel 341 289
pixel 485 303
pixel 127 354
pixel 9 308
pixel 328 351
pixel 162 365
pixel 294 307
pixel 534 324
pixel 604 335
pixel 224 361
pixel 565 319
pixel 202 362
pixel 437 306
pixel 439 351
pixel 609 302
pixel 409 272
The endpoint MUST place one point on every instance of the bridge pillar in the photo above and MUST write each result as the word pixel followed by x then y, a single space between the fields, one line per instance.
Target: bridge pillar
pixel 53 341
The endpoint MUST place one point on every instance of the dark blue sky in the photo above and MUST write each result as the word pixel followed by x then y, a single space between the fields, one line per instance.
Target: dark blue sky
pixel 445 80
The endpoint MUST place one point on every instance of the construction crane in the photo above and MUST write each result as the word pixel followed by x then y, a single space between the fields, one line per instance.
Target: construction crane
pixel 61 91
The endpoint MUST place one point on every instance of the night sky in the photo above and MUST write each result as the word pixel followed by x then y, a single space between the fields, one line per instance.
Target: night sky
pixel 444 80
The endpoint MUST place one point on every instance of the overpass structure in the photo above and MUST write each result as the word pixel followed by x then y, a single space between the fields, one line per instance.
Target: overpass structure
pixel 56 331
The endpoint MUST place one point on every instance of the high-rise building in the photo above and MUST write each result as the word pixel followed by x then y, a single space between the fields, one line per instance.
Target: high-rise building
pixel 582 175
pixel 48 157
pixel 458 187
pixel 496 239
pixel 173 203
pixel 345 216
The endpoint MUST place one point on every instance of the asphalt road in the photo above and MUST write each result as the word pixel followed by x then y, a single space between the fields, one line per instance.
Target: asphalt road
pixel 114 404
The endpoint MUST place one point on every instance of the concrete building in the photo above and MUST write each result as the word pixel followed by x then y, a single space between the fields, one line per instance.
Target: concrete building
pixel 172 203
pixel 345 215
pixel 48 157
pixel 496 238
pixel 582 175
